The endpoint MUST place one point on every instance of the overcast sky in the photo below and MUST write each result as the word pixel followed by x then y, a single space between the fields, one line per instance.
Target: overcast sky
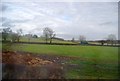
pixel 94 20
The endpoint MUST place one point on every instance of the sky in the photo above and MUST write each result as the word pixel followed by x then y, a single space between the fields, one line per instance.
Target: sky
pixel 94 20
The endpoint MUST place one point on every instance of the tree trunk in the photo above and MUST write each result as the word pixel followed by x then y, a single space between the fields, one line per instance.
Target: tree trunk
pixel 50 40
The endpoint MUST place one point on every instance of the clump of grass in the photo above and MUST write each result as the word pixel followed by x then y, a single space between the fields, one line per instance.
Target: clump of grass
pixel 92 70
pixel 7 47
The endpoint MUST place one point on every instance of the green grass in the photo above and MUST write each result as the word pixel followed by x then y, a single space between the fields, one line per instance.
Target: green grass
pixel 94 61
pixel 25 39
pixel 94 70
pixel 98 53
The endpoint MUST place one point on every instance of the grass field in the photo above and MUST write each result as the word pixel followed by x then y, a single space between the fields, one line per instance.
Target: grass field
pixel 25 39
pixel 92 52
pixel 94 61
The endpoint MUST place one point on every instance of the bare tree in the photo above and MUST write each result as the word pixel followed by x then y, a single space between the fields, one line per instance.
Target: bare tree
pixel 19 32
pixel 5 33
pixel 29 36
pixel 51 37
pixel 111 38
pixel 48 33
pixel 14 36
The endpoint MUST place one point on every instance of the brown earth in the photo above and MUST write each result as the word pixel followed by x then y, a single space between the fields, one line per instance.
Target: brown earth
pixel 21 65
pixel 23 59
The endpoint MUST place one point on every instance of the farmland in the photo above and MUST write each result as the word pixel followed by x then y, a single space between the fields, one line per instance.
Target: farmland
pixel 42 40
pixel 89 61
pixel 59 40
pixel 97 52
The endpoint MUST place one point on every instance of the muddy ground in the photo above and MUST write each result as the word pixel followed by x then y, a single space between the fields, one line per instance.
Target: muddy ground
pixel 23 65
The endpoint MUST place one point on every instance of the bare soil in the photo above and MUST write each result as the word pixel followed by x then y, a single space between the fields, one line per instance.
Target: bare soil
pixel 21 65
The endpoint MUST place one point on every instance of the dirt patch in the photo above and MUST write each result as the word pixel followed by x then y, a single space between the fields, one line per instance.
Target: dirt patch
pixel 28 66
pixel 51 57
pixel 24 59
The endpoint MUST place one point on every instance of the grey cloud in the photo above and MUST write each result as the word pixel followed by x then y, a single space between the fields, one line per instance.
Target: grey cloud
pixel 3 7
pixel 106 23
pixel 2 19
pixel 5 22
pixel 59 1
pixel 66 19
pixel 19 21
pixel 6 19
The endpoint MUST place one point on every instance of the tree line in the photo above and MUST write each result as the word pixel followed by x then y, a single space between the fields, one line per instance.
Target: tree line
pixel 8 34
pixel 48 34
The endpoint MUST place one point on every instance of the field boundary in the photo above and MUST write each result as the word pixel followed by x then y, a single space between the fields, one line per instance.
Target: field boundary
pixel 69 44
pixel 66 44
